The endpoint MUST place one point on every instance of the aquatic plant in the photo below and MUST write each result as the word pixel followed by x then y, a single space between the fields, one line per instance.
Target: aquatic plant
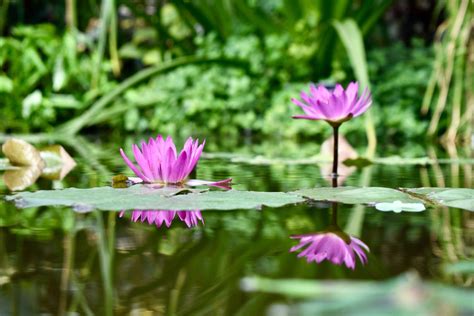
pixel 333 245
pixel 335 107
pixel 158 217
pixel 158 162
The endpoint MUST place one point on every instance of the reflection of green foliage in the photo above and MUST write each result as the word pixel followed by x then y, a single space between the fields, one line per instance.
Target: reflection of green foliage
pixel 36 223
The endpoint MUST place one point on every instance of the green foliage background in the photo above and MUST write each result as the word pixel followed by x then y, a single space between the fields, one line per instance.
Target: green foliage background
pixel 50 75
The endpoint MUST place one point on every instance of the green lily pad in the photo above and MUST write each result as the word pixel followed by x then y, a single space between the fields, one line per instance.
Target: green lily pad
pixel 146 198
pixel 453 197
pixel 353 195
pixel 169 198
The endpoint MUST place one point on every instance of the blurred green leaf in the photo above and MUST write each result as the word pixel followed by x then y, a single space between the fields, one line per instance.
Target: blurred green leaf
pixel 404 295
pixel 31 103
pixel 463 267
pixel 6 84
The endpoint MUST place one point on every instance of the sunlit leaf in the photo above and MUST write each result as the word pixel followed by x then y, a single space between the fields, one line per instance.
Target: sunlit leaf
pixel 6 84
pixel 59 75
pixel 31 102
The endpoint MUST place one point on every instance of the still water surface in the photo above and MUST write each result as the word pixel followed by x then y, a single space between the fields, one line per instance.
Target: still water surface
pixel 56 261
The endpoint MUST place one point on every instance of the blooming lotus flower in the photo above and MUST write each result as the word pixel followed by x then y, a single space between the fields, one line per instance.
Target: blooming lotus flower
pixel 159 162
pixel 334 246
pixel 334 106
pixel 158 217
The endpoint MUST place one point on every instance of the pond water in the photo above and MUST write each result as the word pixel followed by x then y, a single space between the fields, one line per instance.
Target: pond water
pixel 57 261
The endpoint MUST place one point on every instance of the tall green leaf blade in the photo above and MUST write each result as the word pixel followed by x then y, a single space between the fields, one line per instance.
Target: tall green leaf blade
pixel 351 38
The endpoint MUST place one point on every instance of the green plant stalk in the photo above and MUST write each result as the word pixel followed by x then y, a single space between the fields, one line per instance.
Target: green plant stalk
pixel 351 38
pixel 335 157
pixel 356 218
pixel 111 237
pixel 3 14
pixel 68 262
pixel 70 16
pixel 436 72
pixel 75 125
pixel 444 81
pixel 105 265
pixel 99 54
pixel 113 51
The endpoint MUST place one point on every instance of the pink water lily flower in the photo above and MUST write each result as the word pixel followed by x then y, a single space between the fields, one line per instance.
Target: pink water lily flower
pixel 334 106
pixel 159 162
pixel 158 217
pixel 334 246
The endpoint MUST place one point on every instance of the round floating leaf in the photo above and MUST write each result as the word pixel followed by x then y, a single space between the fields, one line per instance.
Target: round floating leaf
pixel 146 198
pixel 353 195
pixel 453 197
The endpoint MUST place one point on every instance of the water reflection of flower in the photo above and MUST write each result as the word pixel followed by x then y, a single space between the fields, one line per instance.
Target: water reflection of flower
pixel 158 217
pixel 332 245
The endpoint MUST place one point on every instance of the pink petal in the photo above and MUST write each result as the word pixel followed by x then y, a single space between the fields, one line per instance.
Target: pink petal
pixel 132 166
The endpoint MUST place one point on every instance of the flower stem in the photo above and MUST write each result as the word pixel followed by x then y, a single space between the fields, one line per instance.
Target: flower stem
pixel 335 155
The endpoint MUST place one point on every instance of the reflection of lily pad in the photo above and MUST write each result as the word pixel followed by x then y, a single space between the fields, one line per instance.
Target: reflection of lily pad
pixel 143 197
pixel 398 206
pixel 453 197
